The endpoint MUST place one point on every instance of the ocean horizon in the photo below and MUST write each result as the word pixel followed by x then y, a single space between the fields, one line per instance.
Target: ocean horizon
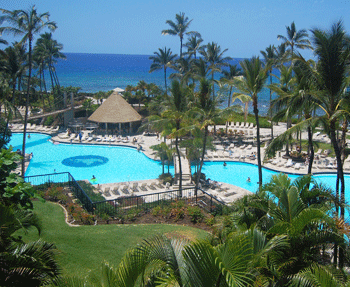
pixel 105 72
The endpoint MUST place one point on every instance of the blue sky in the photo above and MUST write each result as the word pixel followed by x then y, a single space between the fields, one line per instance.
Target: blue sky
pixel 134 26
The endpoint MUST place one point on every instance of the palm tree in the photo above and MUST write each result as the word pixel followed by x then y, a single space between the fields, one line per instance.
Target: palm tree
pixel 162 60
pixel 179 28
pixel 307 226
pixel 253 81
pixel 193 45
pixel 229 77
pixel 295 39
pixel 333 54
pixel 52 51
pixel 182 66
pixel 214 58
pixel 26 23
pixel 270 58
pixel 30 264
pixel 205 113
pixel 176 114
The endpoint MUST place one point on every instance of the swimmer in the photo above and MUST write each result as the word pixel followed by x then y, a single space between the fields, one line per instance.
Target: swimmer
pixel 248 180
pixel 29 136
pixel 93 177
pixel 225 163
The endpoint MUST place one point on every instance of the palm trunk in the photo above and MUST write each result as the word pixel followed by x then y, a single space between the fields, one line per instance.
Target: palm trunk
pixel 180 168
pixel 201 160
pixel 256 113
pixel 27 106
pixel 311 150
pixel 340 174
pixel 270 107
pixel 229 98
pixel 166 88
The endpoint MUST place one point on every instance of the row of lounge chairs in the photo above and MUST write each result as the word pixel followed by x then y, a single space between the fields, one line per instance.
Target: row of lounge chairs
pixel 125 189
pixel 35 128
pixel 242 125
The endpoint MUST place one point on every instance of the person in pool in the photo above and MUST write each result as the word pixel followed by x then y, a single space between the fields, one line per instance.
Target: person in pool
pixel 248 180
pixel 225 163
pixel 93 178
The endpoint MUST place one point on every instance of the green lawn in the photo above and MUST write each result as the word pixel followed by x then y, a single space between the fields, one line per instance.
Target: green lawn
pixel 83 248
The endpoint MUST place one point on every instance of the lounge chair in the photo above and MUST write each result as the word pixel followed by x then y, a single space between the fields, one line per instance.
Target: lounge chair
pixel 143 186
pixel 106 191
pixel 134 187
pixel 289 163
pixel 125 189
pixel 251 126
pixel 237 125
pixel 98 138
pixel 153 186
pixel 115 190
pixel 249 147
pixel 72 136
pixel 297 165
pixel 55 129
pixel 275 161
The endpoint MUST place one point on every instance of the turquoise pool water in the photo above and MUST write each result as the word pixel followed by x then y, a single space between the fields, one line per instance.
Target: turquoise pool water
pixel 107 163
pixel 118 164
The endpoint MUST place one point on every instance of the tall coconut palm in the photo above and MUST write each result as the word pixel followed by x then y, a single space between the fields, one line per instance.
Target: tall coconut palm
pixel 52 51
pixel 179 28
pixel 176 114
pixel 270 58
pixel 193 45
pixel 27 23
pixel 295 39
pixel 205 113
pixel 333 53
pixel 253 81
pixel 229 77
pixel 215 59
pixel 162 60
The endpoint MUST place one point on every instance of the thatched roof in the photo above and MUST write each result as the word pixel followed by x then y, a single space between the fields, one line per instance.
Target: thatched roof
pixel 115 110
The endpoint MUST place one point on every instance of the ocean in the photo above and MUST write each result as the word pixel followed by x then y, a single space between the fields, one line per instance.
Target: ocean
pixel 104 72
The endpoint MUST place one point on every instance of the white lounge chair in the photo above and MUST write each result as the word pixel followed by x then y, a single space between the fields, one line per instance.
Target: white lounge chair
pixel 297 165
pixel 289 163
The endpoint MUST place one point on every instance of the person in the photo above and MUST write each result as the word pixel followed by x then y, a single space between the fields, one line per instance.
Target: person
pixel 31 155
pixel 248 180
pixel 93 177
pixel 29 136
pixel 134 140
pixel 80 136
pixel 225 163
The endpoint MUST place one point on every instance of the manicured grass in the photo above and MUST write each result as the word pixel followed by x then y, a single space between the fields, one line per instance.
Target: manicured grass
pixel 83 248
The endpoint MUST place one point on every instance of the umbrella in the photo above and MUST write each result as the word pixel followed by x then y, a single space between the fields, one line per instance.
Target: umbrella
pixel 118 90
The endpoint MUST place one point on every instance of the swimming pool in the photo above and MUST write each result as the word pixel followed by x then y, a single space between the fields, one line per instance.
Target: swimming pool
pixel 118 164
pixel 107 163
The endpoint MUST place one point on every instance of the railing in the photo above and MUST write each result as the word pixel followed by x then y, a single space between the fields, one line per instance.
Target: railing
pixel 146 202
pixel 125 204
pixel 64 179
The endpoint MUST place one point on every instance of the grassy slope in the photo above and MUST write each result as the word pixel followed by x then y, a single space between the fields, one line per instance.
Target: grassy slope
pixel 83 248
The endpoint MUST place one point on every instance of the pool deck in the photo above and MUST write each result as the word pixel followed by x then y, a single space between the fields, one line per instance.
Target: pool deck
pixel 228 192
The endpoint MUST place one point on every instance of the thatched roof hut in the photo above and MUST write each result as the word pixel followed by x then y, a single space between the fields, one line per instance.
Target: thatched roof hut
pixel 115 110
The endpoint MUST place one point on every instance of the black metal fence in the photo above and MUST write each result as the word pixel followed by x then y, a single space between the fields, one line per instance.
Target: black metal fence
pixel 64 179
pixel 146 202
pixel 125 204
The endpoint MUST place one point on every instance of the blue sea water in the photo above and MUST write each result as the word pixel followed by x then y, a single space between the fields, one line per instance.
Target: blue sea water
pixel 104 72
